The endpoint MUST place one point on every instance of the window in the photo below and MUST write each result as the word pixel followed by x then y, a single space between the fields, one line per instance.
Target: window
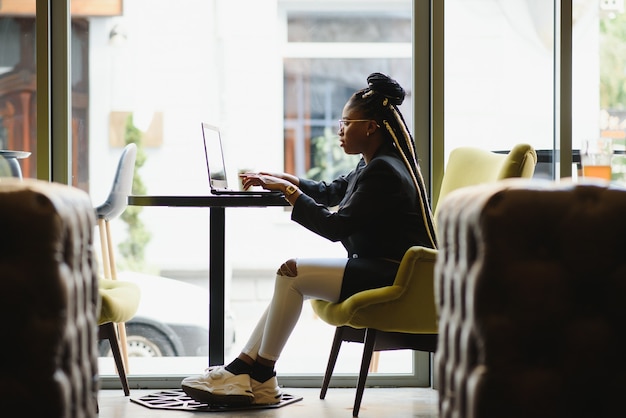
pixel 18 98
pixel 499 74
pixel 611 42
pixel 500 77
pixel 136 79
pixel 328 57
pixel 18 89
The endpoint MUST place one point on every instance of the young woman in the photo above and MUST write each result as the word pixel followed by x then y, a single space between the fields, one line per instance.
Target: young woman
pixel 382 211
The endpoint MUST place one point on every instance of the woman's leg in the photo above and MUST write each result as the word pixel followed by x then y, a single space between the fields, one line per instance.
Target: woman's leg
pixel 251 377
pixel 296 280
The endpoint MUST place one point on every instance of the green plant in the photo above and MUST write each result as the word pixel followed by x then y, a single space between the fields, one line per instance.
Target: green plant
pixel 328 160
pixel 133 248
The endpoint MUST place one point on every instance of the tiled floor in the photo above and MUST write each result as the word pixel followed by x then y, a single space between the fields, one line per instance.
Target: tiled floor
pixel 377 403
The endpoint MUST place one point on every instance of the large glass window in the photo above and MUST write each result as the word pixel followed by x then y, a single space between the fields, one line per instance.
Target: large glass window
pixel 316 89
pixel 499 72
pixel 328 56
pixel 274 79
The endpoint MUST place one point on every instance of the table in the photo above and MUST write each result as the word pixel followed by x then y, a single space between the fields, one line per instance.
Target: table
pixel 11 157
pixel 217 234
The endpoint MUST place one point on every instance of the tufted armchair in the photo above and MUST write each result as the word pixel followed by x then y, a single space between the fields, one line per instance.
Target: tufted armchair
pixel 49 300
pixel 531 289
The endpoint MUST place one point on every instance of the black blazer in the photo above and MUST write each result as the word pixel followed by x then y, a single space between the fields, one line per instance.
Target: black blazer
pixel 378 218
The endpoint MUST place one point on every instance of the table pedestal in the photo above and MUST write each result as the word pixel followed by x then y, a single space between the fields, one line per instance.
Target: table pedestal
pixel 217 235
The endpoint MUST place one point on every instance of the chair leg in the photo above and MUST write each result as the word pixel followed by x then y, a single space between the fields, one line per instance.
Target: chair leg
pixel 107 332
pixel 332 360
pixel 368 349
pixel 110 272
pixel 375 360
pixel 104 247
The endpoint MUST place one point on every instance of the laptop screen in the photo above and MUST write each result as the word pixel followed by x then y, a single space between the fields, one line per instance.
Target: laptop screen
pixel 214 157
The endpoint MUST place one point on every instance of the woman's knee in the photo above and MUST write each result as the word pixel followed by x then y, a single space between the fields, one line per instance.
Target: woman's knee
pixel 288 268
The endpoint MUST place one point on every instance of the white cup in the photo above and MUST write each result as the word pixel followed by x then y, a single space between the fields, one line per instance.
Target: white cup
pixel 239 179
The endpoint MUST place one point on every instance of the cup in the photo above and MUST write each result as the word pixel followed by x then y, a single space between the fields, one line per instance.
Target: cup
pixel 239 172
pixel 595 158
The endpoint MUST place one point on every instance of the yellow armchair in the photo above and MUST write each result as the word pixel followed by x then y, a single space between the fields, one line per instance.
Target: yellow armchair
pixel 403 315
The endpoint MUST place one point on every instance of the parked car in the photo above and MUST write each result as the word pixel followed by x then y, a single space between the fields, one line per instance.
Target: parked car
pixel 172 319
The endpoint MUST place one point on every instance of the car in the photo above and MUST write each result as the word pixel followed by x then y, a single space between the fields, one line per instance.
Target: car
pixel 172 319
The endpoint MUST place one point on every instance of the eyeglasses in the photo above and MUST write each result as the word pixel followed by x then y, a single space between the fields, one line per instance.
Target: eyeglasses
pixel 346 122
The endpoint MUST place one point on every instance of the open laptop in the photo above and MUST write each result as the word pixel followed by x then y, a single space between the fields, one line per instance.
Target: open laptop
pixel 214 155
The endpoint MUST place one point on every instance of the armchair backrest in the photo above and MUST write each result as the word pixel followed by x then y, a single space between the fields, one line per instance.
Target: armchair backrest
pixel 469 166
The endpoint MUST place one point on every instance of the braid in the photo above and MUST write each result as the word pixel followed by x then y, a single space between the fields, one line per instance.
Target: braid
pixel 380 100
pixel 407 152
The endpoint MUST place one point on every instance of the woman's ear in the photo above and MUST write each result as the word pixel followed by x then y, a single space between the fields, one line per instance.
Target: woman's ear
pixel 371 127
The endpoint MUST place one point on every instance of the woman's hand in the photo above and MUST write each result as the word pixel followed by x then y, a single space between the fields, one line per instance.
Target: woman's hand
pixel 268 181
pixel 265 180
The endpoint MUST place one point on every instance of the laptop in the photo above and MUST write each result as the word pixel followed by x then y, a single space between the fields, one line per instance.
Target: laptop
pixel 214 156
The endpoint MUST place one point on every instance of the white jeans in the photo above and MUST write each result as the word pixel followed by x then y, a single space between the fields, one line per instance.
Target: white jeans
pixel 317 278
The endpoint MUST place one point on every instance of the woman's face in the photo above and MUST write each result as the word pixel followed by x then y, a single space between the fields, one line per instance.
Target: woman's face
pixel 353 131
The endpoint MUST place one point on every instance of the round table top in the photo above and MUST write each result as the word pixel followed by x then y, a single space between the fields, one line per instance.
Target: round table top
pixel 14 154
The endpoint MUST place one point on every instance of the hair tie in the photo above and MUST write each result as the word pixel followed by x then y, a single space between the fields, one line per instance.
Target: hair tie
pixel 367 94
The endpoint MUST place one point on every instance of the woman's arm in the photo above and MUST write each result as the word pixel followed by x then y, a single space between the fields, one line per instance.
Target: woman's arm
pixel 328 194
pixel 373 199
pixel 279 182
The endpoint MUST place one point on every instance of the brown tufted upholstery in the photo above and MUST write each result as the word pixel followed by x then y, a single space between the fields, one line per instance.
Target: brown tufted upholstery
pixel 531 290
pixel 48 301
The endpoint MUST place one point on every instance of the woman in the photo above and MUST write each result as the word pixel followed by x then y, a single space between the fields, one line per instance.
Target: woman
pixel 382 211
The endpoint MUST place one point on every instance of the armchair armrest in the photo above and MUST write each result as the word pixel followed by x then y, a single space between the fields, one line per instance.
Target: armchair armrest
pixel 406 306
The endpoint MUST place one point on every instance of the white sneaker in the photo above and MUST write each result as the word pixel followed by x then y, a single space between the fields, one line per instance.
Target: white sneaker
pixel 218 386
pixel 266 393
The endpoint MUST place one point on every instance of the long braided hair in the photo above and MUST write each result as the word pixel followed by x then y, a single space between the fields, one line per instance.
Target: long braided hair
pixel 380 101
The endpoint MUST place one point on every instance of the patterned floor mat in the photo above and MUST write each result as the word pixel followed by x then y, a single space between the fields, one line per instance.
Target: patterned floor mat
pixel 180 401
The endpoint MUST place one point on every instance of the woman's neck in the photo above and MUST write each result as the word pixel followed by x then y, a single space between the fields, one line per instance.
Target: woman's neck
pixel 372 150
pixel 370 153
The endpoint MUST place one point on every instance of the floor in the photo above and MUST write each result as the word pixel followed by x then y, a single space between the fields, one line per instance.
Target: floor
pixel 377 402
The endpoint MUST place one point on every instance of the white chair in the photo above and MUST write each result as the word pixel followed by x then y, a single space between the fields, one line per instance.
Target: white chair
pixel 114 205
